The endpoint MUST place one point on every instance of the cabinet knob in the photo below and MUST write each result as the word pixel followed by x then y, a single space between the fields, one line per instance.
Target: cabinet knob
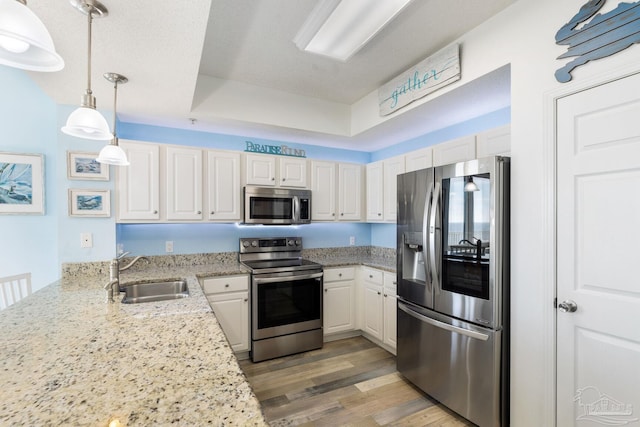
pixel 325 290
pixel 212 212
pixel 246 299
pixel 273 179
pixel 371 276
pixel 379 214
pixel 379 292
pixel 342 214
pixel 226 285
pixel 339 274
pixel 155 212
pixel 284 179
pixel 199 212
pixel 333 214
pixel 385 295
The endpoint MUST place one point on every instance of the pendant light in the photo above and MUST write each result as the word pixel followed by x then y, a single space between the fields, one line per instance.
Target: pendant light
pixel 25 42
pixel 86 122
pixel 470 186
pixel 113 154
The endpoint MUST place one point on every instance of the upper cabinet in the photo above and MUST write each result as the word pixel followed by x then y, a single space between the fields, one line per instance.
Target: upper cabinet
pixel 382 183
pixel 223 185
pixel 337 191
pixel 375 190
pixel 458 150
pixel 138 185
pixel 494 142
pixel 270 171
pixel 419 159
pixel 188 180
pixel 392 168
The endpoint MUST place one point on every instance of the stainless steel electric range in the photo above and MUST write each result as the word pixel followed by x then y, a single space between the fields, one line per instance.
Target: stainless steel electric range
pixel 286 297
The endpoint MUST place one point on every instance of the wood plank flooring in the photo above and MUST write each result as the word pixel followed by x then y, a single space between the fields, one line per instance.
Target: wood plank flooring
pixel 350 382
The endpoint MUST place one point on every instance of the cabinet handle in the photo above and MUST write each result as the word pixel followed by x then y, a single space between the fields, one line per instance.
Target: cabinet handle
pixel 339 274
pixel 385 295
pixel 199 212
pixel 379 214
pixel 325 290
pixel 155 212
pixel 273 179
pixel 333 214
pixel 379 292
pixel 226 285
pixel 371 276
pixel 342 214
pixel 283 179
pixel 212 212
pixel 246 299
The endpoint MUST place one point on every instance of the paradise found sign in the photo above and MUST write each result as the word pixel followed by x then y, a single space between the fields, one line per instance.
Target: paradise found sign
pixel 438 70
pixel 280 150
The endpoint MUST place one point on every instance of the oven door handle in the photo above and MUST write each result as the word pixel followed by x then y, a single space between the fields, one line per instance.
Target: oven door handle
pixel 293 278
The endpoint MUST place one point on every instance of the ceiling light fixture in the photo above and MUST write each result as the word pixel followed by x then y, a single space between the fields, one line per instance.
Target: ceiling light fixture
pixel 338 29
pixel 470 185
pixel 113 154
pixel 25 42
pixel 86 121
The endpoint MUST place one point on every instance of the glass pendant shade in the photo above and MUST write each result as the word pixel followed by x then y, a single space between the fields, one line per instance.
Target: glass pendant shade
pixel 113 154
pixel 470 186
pixel 25 43
pixel 87 123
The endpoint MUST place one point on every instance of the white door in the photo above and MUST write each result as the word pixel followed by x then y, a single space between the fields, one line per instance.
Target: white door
pixel 323 190
pixel 261 169
pixel 293 172
pixel 139 183
pixel 598 236
pixel 232 312
pixel 374 193
pixel 350 192
pixel 184 183
pixel 223 184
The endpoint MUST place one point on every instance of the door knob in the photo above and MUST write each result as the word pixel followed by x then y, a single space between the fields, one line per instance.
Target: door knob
pixel 568 306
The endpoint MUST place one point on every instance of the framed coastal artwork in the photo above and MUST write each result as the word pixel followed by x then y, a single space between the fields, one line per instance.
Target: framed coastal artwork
pixel 82 165
pixel 21 183
pixel 89 203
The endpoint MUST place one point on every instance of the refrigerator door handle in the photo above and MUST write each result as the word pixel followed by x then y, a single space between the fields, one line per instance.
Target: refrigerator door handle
pixel 435 204
pixel 425 246
pixel 442 325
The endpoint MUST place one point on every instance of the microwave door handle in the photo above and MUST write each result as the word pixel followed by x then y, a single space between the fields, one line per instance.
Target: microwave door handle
pixel 295 215
pixel 438 324
pixel 433 215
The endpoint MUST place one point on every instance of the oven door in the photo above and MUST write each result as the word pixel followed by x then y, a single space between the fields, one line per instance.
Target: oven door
pixel 285 303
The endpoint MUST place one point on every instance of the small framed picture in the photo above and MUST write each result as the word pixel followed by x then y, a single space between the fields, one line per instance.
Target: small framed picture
pixel 21 183
pixel 89 203
pixel 82 165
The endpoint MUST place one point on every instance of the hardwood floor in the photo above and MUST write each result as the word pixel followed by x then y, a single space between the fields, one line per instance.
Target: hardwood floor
pixel 348 382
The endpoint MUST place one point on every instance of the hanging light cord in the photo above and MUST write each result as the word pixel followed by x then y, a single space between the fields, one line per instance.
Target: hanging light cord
pixel 115 103
pixel 88 100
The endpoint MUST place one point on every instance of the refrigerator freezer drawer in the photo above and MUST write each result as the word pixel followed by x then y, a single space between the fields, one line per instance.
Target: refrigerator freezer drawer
pixel 456 363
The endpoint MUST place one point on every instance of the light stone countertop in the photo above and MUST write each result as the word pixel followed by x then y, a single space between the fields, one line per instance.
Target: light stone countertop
pixel 69 358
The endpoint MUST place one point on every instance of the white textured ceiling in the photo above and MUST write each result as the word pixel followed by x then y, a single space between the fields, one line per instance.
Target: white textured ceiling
pixel 166 47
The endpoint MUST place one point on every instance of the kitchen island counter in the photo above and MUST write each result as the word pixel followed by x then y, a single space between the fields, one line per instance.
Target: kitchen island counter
pixel 69 358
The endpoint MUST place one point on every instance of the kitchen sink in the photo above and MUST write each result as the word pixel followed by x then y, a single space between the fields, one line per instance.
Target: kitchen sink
pixel 155 291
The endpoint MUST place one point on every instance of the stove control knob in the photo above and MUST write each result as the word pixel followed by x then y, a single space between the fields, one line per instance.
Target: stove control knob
pixel 245 243
pixel 298 242
pixel 290 242
pixel 254 243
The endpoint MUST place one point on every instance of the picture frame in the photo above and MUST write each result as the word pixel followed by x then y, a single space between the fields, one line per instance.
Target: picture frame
pixel 83 165
pixel 89 203
pixel 21 183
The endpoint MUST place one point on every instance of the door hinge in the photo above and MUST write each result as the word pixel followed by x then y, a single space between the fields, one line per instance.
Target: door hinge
pixel 555 302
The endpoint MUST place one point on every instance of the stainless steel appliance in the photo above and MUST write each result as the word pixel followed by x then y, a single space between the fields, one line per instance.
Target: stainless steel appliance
pixel 286 297
pixel 276 206
pixel 453 286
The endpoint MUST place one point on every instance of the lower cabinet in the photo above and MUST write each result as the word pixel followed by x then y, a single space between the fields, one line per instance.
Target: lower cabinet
pixel 229 300
pixel 339 300
pixel 390 310
pixel 379 308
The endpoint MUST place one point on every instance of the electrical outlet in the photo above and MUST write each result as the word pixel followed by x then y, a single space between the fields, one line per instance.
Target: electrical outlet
pixel 86 240
pixel 352 240
pixel 168 246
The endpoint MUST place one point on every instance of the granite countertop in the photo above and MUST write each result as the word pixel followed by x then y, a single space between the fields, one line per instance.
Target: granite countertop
pixel 69 358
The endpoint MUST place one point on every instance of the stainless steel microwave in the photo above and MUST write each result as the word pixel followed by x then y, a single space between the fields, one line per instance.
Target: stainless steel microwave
pixel 276 206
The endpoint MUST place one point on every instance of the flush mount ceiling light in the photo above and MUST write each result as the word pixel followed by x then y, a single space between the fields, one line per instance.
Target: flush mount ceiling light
pixel 86 122
pixel 338 29
pixel 113 154
pixel 25 43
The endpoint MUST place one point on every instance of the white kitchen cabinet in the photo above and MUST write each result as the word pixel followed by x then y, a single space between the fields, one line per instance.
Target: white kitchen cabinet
pixel 184 183
pixel 224 192
pixel 336 191
pixel 272 171
pixel 350 188
pixel 458 150
pixel 293 172
pixel 138 184
pixel 229 300
pixel 339 306
pixel 374 192
pixel 372 303
pixel 390 310
pixel 391 168
pixel 494 142
pixel 419 159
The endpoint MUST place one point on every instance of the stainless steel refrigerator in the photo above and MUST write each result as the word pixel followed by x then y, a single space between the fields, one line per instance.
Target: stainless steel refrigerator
pixel 453 286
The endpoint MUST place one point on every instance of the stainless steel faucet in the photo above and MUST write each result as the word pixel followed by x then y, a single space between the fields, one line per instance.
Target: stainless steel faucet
pixel 113 288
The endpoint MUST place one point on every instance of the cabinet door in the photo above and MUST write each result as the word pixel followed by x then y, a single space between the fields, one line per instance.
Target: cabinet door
pixel 375 188
pixel 223 185
pixel 373 310
pixel 392 168
pixel 339 307
pixel 261 170
pixel 459 150
pixel 139 184
pixel 494 142
pixel 323 190
pixel 293 172
pixel 390 310
pixel 184 183
pixel 349 192
pixel 232 312
pixel 419 159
